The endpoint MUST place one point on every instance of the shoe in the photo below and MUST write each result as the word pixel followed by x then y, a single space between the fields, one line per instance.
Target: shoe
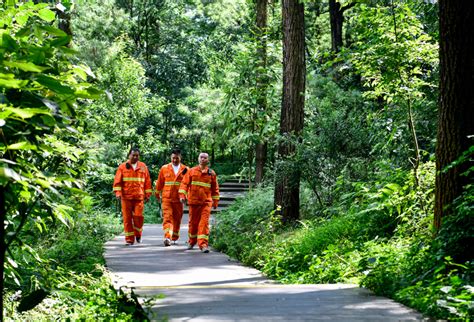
pixel 190 246
pixel 167 242
pixel 139 239
pixel 175 242
pixel 205 250
pixel 128 244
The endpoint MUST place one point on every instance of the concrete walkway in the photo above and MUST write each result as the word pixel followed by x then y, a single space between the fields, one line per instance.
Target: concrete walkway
pixel 212 287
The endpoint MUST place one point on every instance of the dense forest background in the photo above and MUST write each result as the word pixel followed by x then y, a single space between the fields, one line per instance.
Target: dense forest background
pixel 337 130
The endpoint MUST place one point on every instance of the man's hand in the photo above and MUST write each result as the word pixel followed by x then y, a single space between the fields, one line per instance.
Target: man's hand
pixel 118 197
pixel 147 199
pixel 182 200
pixel 157 197
pixel 215 203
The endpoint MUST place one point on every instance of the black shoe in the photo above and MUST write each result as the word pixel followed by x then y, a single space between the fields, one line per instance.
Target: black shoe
pixel 167 242
pixel 190 246
pixel 128 244
pixel 205 250
pixel 139 239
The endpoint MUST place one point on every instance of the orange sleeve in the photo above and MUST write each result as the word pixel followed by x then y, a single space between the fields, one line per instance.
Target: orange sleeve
pixel 160 182
pixel 184 186
pixel 148 188
pixel 117 186
pixel 214 189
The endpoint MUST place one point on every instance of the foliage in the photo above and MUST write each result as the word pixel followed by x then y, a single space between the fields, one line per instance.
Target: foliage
pixel 96 26
pixel 81 297
pixel 40 89
pixel 378 234
pixel 71 274
pixel 337 140
pixel 397 62
pixel 392 53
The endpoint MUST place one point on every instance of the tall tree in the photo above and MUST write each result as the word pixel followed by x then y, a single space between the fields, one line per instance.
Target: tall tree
pixel 287 181
pixel 336 17
pixel 262 83
pixel 456 104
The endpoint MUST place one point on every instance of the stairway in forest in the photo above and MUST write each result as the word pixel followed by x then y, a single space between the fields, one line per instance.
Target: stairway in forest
pixel 229 191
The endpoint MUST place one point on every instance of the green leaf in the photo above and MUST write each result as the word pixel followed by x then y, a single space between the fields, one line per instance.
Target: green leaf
pixel 62 213
pixel 90 92
pixel 25 194
pixel 7 174
pixel 22 18
pixel 25 66
pixel 54 85
pixel 8 42
pixel 22 146
pixel 13 83
pixel 54 31
pixel 46 15
pixel 58 42
pixel 26 113
pixel 48 120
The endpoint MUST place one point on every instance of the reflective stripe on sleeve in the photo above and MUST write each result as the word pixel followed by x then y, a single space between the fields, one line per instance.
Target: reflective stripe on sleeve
pixel 215 197
pixel 133 179
pixel 202 184
pixel 149 190
pixel 117 188
pixel 183 192
pixel 172 183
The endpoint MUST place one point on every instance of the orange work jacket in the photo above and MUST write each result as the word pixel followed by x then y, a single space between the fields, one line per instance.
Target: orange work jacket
pixel 132 184
pixel 199 186
pixel 167 185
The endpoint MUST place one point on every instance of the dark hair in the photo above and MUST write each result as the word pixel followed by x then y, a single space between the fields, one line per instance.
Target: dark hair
pixel 176 151
pixel 134 149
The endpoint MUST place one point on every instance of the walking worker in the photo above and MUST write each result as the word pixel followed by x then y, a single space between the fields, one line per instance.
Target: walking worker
pixel 167 186
pixel 200 188
pixel 132 185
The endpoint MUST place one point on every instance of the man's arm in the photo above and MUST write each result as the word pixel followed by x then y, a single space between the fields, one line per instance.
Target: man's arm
pixel 160 183
pixel 215 191
pixel 148 189
pixel 183 187
pixel 117 186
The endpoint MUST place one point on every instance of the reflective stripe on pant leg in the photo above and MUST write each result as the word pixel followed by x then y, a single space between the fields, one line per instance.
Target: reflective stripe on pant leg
pixel 167 209
pixel 138 218
pixel 127 215
pixel 177 216
pixel 193 224
pixel 203 226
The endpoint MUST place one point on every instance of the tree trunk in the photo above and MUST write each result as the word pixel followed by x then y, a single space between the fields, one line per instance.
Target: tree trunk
pixel 336 17
pixel 456 104
pixel 287 182
pixel 262 85
pixel 261 159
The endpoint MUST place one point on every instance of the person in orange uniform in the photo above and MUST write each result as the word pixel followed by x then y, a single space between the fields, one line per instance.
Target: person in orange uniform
pixel 132 185
pixel 201 189
pixel 167 185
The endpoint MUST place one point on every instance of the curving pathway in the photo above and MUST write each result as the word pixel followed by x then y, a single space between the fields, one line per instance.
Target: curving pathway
pixel 213 287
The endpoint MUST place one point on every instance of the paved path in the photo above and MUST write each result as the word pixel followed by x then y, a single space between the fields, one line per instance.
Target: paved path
pixel 212 287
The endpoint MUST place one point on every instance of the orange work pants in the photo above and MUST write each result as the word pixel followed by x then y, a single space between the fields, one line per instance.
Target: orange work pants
pixel 172 215
pixel 199 224
pixel 132 213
